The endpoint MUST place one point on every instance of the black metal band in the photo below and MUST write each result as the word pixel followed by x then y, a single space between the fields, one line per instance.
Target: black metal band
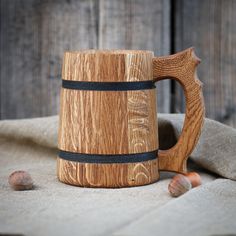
pixel 108 86
pixel 97 158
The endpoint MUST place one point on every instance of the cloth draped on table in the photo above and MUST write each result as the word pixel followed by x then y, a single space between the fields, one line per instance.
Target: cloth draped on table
pixel 54 208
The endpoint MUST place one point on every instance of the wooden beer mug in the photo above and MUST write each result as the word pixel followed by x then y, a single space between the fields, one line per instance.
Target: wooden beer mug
pixel 108 134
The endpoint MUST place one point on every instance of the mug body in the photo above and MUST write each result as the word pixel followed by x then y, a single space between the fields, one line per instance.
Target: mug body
pixel 108 125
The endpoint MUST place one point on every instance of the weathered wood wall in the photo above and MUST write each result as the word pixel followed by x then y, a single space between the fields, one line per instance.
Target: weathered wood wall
pixel 138 25
pixel 210 25
pixel 35 33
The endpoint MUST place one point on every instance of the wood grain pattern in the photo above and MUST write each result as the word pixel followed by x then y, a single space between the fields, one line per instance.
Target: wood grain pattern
pixel 34 35
pixel 214 21
pixel 145 25
pixel 124 122
pixel 108 122
pixel 182 67
pixel 107 175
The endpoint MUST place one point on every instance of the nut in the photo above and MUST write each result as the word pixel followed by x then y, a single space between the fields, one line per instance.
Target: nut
pixel 179 185
pixel 194 178
pixel 20 180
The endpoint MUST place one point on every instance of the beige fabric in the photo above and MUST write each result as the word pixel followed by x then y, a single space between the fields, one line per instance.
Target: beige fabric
pixel 216 149
pixel 54 208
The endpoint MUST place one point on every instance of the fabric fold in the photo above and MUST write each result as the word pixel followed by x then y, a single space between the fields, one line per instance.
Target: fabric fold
pixel 206 210
pixel 215 151
pixel 54 208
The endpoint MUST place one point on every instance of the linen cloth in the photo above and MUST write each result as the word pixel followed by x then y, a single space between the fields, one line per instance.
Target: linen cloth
pixel 54 208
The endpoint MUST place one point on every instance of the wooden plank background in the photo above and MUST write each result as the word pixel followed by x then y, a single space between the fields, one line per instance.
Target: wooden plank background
pixel 35 33
pixel 210 25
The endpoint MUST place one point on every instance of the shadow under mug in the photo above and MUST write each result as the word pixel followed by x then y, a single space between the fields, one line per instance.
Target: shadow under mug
pixel 108 134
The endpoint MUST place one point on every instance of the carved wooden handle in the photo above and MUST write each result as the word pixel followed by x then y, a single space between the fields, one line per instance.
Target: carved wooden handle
pixel 182 67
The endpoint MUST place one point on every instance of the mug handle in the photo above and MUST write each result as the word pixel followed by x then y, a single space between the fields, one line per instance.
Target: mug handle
pixel 182 67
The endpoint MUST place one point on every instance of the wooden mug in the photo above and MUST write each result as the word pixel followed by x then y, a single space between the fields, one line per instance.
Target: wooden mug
pixel 108 134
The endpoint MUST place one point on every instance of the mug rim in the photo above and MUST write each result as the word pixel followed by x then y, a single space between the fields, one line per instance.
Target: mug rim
pixel 111 51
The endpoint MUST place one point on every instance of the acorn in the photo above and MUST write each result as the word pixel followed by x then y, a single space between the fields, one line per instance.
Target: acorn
pixel 179 185
pixel 194 178
pixel 20 180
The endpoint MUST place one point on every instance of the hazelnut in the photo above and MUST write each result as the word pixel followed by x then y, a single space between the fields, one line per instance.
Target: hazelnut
pixel 179 185
pixel 194 178
pixel 20 180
